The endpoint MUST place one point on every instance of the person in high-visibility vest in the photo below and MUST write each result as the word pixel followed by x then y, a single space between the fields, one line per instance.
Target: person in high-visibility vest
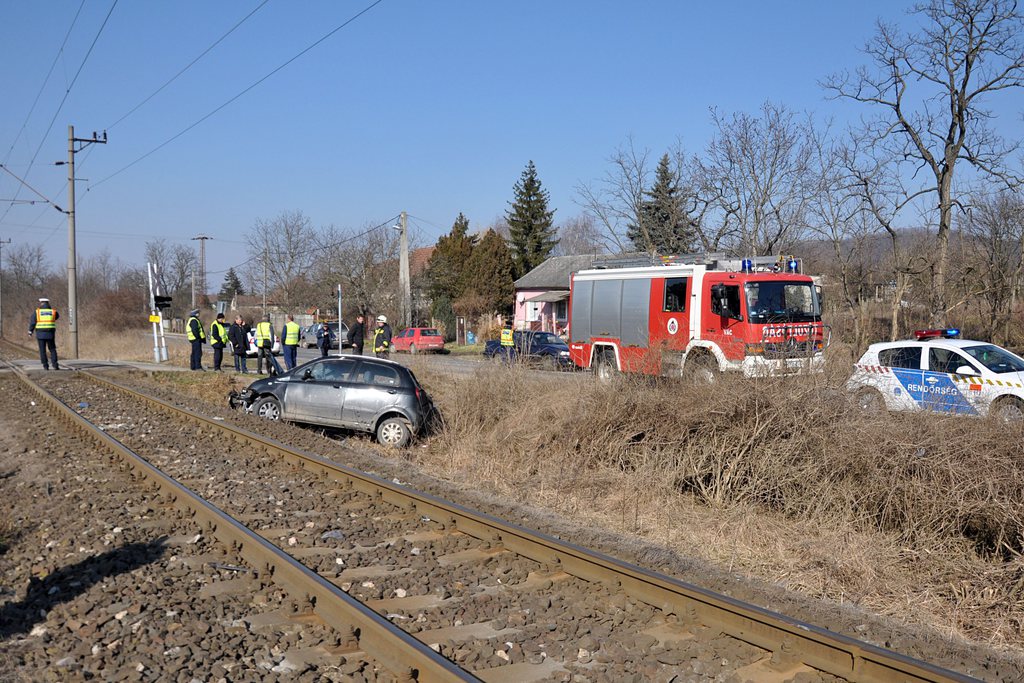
pixel 44 325
pixel 265 344
pixel 197 337
pixel 218 340
pixel 291 342
pixel 507 340
pixel 382 338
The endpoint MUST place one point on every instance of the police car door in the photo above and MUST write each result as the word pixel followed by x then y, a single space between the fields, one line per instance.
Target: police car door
pixel 942 391
pixel 904 363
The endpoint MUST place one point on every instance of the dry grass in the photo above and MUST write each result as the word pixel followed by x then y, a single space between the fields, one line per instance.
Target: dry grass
pixel 916 517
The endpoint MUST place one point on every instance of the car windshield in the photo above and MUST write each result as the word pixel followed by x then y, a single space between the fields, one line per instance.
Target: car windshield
pixel 995 359
pixel 774 301
pixel 546 338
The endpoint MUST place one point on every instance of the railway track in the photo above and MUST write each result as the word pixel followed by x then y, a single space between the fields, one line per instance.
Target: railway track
pixel 448 593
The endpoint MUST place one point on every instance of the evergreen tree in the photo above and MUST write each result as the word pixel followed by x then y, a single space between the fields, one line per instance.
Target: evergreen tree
pixel 232 285
pixel 490 274
pixel 447 265
pixel 441 310
pixel 531 225
pixel 664 226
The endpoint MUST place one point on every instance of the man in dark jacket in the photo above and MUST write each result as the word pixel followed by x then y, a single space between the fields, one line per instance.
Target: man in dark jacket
pixel 238 335
pixel 323 339
pixel 357 334
pixel 44 324
pixel 196 337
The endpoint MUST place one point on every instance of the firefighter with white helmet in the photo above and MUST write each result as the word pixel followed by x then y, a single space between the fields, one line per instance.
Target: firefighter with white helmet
pixel 382 338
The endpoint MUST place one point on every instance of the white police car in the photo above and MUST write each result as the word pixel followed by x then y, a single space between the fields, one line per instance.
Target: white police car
pixel 940 372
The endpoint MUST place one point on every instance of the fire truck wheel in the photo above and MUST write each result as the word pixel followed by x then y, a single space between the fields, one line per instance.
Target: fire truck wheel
pixel 870 401
pixel 1008 409
pixel 604 367
pixel 701 368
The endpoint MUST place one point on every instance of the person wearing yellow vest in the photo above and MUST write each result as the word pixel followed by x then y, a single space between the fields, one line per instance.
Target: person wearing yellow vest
pixel 382 338
pixel 218 340
pixel 44 325
pixel 265 346
pixel 291 342
pixel 196 337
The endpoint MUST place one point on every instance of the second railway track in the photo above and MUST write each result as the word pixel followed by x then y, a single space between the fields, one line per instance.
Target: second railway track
pixel 494 600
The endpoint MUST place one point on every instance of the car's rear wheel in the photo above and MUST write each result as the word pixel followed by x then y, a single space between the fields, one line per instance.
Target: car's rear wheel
pixel 268 408
pixel 870 401
pixel 1008 409
pixel 412 348
pixel 605 367
pixel 394 432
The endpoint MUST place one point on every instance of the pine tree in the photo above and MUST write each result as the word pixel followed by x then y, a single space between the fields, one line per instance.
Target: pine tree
pixel 531 225
pixel 232 286
pixel 490 277
pixel 664 226
pixel 447 265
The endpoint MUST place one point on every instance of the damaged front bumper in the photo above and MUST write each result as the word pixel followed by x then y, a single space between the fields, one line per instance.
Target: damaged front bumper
pixel 240 399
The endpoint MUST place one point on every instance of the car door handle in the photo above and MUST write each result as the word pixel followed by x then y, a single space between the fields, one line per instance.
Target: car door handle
pixel 392 391
pixel 336 386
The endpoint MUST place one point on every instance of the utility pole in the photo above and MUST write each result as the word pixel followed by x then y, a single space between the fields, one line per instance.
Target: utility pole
pixel 193 278
pixel 403 270
pixel 202 265
pixel 72 257
pixel 2 243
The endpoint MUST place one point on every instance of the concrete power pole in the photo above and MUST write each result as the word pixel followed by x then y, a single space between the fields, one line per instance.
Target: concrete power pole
pixel 2 243
pixel 201 282
pixel 72 257
pixel 403 271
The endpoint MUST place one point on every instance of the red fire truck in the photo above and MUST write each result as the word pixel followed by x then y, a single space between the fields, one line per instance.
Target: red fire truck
pixel 697 314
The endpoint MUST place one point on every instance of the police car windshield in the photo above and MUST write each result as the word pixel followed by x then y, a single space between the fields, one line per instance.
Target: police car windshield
pixel 995 359
pixel 773 301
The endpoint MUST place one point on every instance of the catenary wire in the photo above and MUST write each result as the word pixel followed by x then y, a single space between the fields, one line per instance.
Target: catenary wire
pixel 189 65
pixel 64 99
pixel 237 96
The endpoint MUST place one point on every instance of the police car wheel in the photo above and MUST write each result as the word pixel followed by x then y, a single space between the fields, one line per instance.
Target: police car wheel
pixel 268 408
pixel 394 432
pixel 412 348
pixel 870 401
pixel 1008 409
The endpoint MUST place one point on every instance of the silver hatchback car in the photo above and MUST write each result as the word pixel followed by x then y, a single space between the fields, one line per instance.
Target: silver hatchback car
pixel 359 393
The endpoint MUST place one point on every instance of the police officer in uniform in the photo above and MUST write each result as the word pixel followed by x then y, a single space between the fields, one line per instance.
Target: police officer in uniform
pixel 291 342
pixel 197 337
pixel 265 344
pixel 507 340
pixel 218 340
pixel 44 324
pixel 382 338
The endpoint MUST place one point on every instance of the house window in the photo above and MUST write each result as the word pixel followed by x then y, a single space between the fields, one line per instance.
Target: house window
pixel 533 309
pixel 562 310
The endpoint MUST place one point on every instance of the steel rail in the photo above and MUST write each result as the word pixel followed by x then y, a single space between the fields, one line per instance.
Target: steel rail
pixel 362 629
pixel 790 640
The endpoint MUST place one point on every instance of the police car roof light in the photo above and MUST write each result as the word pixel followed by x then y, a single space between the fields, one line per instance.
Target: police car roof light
pixel 948 333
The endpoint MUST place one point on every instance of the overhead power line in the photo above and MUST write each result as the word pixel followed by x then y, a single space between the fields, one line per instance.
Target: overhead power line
pixel 189 65
pixel 240 94
pixel 64 99
pixel 37 192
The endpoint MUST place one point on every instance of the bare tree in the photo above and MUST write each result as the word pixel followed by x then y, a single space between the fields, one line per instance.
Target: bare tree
pixel 176 264
pixel 615 199
pixel 929 88
pixel 283 247
pixel 26 268
pixel 754 181
pixel 365 262
pixel 579 235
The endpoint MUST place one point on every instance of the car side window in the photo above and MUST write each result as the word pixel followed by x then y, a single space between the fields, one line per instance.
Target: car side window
pixel 675 294
pixel 379 375
pixel 908 357
pixel 944 360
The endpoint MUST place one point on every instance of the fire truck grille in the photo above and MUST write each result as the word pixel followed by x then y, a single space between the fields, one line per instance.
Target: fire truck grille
pixel 789 349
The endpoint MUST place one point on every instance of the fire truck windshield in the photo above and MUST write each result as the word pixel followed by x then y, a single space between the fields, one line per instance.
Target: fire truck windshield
pixel 775 301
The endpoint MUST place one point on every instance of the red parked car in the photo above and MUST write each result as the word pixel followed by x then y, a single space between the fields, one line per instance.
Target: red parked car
pixel 416 339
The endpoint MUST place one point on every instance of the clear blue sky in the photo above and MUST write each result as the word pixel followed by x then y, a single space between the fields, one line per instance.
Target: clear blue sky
pixel 431 107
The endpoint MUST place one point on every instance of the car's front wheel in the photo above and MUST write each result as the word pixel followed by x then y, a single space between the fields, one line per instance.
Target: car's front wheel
pixel 394 432
pixel 412 348
pixel 1008 409
pixel 268 408
pixel 870 401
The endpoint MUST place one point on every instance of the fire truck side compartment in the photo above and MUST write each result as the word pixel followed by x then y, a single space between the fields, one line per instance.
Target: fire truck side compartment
pixel 636 308
pixel 580 315
pixel 623 313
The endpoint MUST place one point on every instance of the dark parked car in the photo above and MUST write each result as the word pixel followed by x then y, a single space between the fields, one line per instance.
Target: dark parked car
pixel 308 336
pixel 544 348
pixel 352 392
